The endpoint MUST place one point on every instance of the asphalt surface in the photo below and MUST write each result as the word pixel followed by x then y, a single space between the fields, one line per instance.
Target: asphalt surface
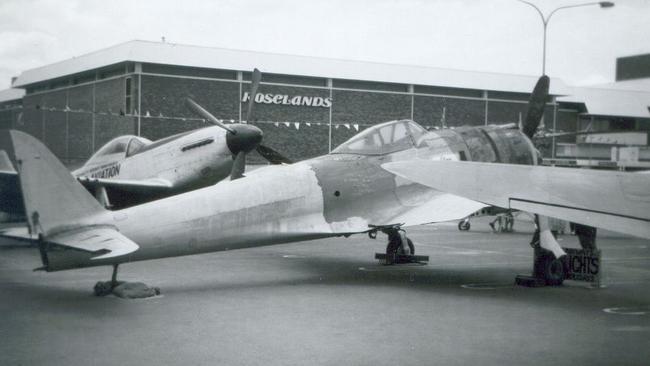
pixel 328 302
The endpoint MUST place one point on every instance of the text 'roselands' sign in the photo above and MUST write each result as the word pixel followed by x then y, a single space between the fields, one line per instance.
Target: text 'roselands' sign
pixel 283 99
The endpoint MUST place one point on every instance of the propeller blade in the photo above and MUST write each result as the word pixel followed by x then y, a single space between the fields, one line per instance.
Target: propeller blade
pixel 536 105
pixel 238 166
pixel 272 156
pixel 255 83
pixel 205 114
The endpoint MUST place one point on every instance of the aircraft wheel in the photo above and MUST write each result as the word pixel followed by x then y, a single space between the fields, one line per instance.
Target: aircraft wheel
pixel 391 251
pixel 411 246
pixel 463 225
pixel 553 270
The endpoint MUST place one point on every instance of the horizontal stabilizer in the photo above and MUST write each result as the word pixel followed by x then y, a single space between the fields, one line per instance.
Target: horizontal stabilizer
pixel 16 231
pixel 130 185
pixel 612 200
pixel 96 239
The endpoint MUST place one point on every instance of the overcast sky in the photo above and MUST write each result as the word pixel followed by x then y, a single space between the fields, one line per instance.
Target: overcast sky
pixel 496 35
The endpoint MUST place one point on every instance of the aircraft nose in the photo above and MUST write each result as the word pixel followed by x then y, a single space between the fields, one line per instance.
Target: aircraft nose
pixel 245 138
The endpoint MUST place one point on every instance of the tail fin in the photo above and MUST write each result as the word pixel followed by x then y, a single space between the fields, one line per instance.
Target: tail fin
pixel 53 198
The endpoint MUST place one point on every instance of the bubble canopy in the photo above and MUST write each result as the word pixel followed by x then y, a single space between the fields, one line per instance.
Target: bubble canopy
pixel 383 138
pixel 121 146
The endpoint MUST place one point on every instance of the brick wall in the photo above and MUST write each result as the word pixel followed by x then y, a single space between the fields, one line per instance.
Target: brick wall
pixel 364 107
pixel 506 112
pixel 166 96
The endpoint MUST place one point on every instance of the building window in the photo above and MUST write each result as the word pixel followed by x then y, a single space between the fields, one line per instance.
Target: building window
pixel 128 96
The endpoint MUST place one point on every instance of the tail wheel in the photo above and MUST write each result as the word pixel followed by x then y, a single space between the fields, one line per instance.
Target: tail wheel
pixel 463 225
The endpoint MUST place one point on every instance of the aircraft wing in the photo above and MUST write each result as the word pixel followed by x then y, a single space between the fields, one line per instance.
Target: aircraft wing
pixel 131 185
pixel 612 200
pixel 96 239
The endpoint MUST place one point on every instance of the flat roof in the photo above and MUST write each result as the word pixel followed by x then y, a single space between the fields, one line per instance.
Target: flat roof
pixel 11 94
pixel 229 59
pixel 613 100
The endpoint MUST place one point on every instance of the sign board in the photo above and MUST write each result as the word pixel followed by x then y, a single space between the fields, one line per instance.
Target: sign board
pixel 583 265
pixel 284 99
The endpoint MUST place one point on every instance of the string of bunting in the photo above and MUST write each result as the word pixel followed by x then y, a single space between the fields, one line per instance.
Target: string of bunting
pixel 296 125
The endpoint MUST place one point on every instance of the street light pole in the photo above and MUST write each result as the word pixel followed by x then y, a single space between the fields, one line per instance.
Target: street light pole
pixel 545 20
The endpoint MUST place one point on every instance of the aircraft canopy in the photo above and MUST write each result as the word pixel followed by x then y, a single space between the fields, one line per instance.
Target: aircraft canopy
pixel 119 147
pixel 382 139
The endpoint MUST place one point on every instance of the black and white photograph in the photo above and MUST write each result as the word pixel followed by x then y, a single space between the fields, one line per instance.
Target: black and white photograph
pixel 341 182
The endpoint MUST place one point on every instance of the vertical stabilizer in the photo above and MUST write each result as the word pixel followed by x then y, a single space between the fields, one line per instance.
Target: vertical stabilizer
pixel 53 198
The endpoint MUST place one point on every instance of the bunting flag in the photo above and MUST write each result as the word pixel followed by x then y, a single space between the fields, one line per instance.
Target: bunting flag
pixel 147 114
pixel 297 125
pixel 288 124
pixel 356 126
pixel 308 124
pixel 277 124
pixel 347 125
pixel 336 127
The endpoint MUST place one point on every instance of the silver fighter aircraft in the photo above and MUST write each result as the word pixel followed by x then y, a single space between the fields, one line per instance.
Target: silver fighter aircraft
pixel 339 194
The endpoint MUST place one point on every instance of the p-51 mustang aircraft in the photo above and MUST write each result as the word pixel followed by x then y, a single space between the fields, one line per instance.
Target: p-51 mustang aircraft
pixel 130 170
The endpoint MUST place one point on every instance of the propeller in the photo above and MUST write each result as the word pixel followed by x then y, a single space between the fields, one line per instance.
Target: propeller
pixel 207 115
pixel 266 152
pixel 536 105
pixel 272 156
pixel 243 138
pixel 240 139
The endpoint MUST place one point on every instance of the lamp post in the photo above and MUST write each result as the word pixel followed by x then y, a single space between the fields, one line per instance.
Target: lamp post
pixel 545 20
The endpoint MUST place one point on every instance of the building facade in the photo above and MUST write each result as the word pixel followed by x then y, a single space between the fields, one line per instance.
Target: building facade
pixel 305 106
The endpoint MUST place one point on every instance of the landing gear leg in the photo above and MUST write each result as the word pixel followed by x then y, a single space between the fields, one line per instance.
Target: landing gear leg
pixel 549 263
pixel 103 288
pixel 400 249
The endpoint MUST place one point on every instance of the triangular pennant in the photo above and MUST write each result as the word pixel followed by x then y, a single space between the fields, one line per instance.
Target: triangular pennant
pixel 336 127
pixel 288 124
pixel 297 125
pixel 308 124
pixel 277 124
pixel 356 126
pixel 347 125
